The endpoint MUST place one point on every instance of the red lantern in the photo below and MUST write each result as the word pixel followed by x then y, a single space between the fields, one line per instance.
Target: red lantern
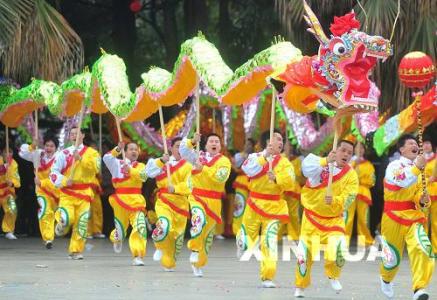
pixel 135 6
pixel 416 69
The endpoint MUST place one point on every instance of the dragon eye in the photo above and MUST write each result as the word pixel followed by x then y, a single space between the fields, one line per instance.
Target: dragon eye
pixel 339 48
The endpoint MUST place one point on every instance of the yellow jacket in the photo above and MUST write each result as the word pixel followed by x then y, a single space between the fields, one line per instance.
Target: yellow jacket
pixel 83 172
pixel 366 178
pixel 293 192
pixel 327 217
pixel 265 196
pixel 47 188
pixel 180 179
pixel 208 183
pixel 8 172
pixel 127 186
pixel 431 164
pixel 402 191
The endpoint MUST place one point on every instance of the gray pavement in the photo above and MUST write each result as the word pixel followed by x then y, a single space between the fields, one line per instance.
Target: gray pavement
pixel 29 271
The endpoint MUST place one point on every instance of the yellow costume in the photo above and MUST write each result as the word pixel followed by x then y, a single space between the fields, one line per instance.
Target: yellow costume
pixel 206 198
pixel 95 225
pixel 8 172
pixel 431 165
pixel 128 202
pixel 74 200
pixel 323 223
pixel 403 223
pixel 172 209
pixel 265 208
pixel 241 186
pixel 360 207
pixel 46 194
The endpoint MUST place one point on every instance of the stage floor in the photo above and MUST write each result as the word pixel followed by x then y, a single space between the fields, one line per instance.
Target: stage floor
pixel 29 271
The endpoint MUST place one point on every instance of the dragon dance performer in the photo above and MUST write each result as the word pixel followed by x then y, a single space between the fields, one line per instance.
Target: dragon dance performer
pixel 172 207
pixel 322 220
pixel 403 221
pixel 9 181
pixel 72 172
pixel 265 208
pixel 360 207
pixel 46 193
pixel 430 173
pixel 241 185
pixel 292 194
pixel 210 171
pixel 128 202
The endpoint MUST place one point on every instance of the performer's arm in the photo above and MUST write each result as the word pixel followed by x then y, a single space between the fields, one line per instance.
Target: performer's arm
pixel 187 151
pixel 402 176
pixel 367 178
pixel 238 160
pixel 184 187
pixel 91 163
pixel 312 165
pixel 28 153
pixel 154 167
pixel 12 174
pixel 112 162
pixel 254 164
pixel 55 172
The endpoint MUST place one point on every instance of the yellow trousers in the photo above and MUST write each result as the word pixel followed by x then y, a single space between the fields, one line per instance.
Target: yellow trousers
pixel 95 224
pixel 419 248
pixel 311 241
pixel 10 214
pixel 433 224
pixel 138 235
pixel 202 232
pixel 249 237
pixel 292 228
pixel 169 233
pixel 360 209
pixel 46 216
pixel 239 208
pixel 73 212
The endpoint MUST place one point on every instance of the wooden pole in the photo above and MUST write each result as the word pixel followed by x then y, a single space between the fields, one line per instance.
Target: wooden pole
pixel 100 134
pixel 7 143
pixel 272 122
pixel 331 165
pixel 36 158
pixel 213 120
pixel 196 95
pixel 164 142
pixel 76 143
pixel 120 137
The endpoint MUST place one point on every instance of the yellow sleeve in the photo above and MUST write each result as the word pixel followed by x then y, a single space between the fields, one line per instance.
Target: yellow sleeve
pixel 348 193
pixel 220 171
pixel 46 183
pixel 284 173
pixel 184 187
pixel 12 174
pixel 367 175
pixel 139 172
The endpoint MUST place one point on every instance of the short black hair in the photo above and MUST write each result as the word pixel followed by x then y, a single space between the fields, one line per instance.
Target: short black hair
pixel 130 143
pixel 265 136
pixel 403 139
pixel 345 141
pixel 210 135
pixel 427 138
pixel 252 141
pixel 175 140
pixel 51 138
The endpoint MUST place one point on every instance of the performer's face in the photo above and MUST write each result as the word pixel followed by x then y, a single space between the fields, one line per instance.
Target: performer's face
pixel 132 152
pixel 175 150
pixel 73 133
pixel 49 147
pixel 213 145
pixel 427 147
pixel 344 154
pixel 277 143
pixel 410 149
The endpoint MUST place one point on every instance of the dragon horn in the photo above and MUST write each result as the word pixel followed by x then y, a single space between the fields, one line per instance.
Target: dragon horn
pixel 313 22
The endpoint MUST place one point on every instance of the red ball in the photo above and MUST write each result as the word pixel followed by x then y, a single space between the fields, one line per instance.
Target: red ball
pixel 416 69
pixel 135 6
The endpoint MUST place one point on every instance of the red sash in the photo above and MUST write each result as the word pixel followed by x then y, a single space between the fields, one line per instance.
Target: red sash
pixel 173 169
pixel 310 215
pixel 266 167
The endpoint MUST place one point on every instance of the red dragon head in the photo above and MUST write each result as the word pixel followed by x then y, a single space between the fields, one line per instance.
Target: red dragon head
pixel 346 60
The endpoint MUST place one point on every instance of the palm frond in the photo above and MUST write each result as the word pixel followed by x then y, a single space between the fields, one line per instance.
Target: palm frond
pixel 43 46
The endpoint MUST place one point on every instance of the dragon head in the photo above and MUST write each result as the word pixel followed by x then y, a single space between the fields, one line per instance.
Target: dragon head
pixel 346 60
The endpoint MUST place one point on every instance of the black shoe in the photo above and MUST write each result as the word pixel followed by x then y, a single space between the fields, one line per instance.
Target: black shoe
pixel 49 245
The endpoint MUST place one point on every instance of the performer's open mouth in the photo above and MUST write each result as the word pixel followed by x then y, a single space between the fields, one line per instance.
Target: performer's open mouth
pixel 415 151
